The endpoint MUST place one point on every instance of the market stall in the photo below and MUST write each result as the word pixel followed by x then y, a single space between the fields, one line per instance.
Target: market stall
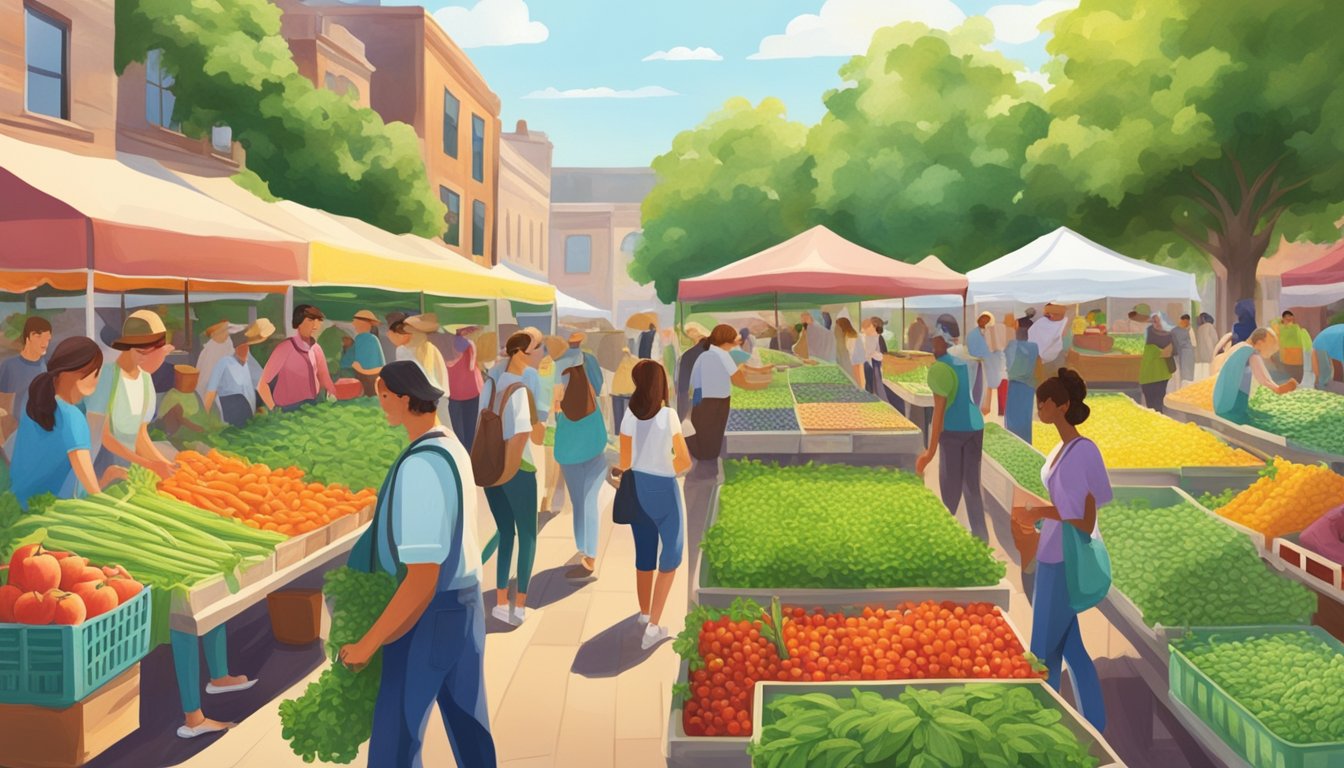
pixel 1315 284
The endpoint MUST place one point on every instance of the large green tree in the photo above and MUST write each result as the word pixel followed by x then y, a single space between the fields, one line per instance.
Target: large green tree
pixel 736 184
pixel 924 153
pixel 231 66
pixel 1195 126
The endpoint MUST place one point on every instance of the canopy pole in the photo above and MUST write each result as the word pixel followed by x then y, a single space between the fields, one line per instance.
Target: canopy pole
pixel 422 302
pixel 123 308
pixel 904 330
pixel 88 306
pixel 289 307
pixel 778 329
pixel 186 313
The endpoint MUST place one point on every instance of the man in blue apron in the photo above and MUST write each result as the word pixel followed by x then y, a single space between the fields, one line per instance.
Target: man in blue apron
pixel 432 633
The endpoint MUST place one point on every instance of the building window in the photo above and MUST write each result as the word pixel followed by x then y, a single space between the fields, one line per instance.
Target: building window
pixel 159 99
pixel 518 231
pixel 221 139
pixel 452 220
pixel 477 228
pixel 630 242
pixel 508 234
pixel 48 89
pixel 578 254
pixel 451 108
pixel 342 85
pixel 477 148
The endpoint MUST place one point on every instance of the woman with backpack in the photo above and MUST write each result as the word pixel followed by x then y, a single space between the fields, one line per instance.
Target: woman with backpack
pixel 580 450
pixel 654 452
pixel 507 470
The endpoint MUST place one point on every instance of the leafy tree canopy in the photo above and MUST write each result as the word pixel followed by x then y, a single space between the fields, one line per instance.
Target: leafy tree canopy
pixel 231 66
pixel 924 153
pixel 738 183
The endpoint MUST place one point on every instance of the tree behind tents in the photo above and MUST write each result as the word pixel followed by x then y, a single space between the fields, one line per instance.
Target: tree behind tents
pixel 1187 126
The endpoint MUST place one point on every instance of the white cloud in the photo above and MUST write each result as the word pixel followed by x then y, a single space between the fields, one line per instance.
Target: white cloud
pixel 1017 24
pixel 682 53
pixel 846 27
pixel 491 22
pixel 1033 76
pixel 647 92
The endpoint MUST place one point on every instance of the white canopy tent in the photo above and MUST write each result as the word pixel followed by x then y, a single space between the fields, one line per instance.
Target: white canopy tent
pixel 1067 268
pixel 565 305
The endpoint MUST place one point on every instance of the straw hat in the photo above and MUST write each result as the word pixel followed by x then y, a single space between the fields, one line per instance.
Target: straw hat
pixel 426 323
pixel 223 325
pixel 143 328
pixel 577 337
pixel 366 316
pixel 696 331
pixel 258 331
pixel 640 321
pixel 186 370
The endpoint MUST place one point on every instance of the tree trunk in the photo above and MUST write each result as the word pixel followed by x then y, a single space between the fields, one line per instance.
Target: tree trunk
pixel 1240 254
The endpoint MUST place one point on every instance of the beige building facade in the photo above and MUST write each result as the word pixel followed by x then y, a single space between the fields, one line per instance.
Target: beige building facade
pixel 419 76
pixel 595 228
pixel 523 221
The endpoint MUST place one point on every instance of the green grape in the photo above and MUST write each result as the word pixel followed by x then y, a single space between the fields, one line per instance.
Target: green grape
pixel 1021 461
pixel 839 527
pixel 1307 416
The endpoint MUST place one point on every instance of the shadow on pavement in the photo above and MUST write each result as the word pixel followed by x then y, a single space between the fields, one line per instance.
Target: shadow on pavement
pixel 612 651
pixel 253 651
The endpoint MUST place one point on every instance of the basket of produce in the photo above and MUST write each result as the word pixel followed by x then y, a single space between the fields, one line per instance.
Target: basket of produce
pixel 713 699
pixel 901 544
pixel 66 628
pixel 1094 342
pixel 348 389
pixel 905 361
pixel 1002 722
pixel 1271 693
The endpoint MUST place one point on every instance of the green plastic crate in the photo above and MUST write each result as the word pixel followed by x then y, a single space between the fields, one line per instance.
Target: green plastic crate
pixel 1232 722
pixel 56 665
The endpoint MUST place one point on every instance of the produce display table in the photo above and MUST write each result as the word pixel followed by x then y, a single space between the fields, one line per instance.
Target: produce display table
pixel 916 407
pixel 1249 438
pixel 210 604
pixel 1106 371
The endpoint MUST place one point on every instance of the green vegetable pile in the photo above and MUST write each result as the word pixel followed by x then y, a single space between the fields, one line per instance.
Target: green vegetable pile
pixel 1310 417
pixel 997 726
pixel 831 393
pixel 839 527
pixel 1216 501
pixel 334 716
pixel 1021 461
pixel 317 439
pixel 777 395
pixel 1291 681
pixel 915 380
pixel 819 374
pixel 1183 568
pixel 1128 343
pixel 775 357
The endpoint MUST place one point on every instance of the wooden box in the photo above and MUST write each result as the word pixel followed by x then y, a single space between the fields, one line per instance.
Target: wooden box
pixel 38 737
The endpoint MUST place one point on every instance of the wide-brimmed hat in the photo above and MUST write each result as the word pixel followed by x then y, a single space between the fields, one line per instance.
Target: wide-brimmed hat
pixel 366 316
pixel 577 337
pixel 232 328
pixel 143 328
pixel 696 330
pixel 260 330
pixel 426 323
pixel 186 370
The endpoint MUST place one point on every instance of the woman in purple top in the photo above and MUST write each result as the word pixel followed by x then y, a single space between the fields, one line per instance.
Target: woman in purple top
pixel 1076 478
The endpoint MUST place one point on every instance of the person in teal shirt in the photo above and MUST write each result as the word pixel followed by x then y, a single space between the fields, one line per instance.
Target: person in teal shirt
pixel 959 428
pixel 365 355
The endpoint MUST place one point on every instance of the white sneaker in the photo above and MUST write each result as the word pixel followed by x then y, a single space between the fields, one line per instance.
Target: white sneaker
pixel 519 616
pixel 643 619
pixel 502 613
pixel 191 732
pixel 213 689
pixel 653 635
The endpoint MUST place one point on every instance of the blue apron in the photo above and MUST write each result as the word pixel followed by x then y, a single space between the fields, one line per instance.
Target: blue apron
pixel 1232 390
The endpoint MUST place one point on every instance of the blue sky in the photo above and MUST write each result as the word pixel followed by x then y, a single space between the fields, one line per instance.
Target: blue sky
pixel 576 70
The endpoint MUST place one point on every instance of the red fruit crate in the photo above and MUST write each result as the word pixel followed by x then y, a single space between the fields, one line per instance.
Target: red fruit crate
pixel 1315 570
pixel 58 665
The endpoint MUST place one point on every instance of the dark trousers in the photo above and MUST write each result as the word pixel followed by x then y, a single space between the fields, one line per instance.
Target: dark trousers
pixel 1155 395
pixel 710 419
pixel 463 414
pixel 514 507
pixel 369 382
pixel 618 405
pixel 235 410
pixel 440 659
pixel 959 460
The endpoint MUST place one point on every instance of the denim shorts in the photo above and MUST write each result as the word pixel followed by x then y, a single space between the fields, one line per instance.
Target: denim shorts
pixel 660 520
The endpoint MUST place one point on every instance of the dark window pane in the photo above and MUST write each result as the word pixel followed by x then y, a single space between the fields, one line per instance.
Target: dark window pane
pixel 452 233
pixel 477 148
pixel 45 96
pixel 451 108
pixel 153 110
pixel 478 228
pixel 45 42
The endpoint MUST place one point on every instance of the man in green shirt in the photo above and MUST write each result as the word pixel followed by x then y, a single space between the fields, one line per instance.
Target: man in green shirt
pixel 1294 346
pixel 180 411
pixel 959 428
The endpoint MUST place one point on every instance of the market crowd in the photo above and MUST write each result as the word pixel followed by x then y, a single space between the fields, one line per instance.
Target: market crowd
pixel 532 418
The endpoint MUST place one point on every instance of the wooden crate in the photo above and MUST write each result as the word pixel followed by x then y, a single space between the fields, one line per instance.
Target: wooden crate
pixel 38 737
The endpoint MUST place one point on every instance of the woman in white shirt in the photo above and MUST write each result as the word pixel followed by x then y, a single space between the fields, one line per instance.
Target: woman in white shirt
pixel 652 447
pixel 714 374
pixel 853 351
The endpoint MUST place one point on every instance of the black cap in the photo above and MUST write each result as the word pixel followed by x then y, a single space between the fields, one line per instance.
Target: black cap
pixel 405 378
pixel 395 319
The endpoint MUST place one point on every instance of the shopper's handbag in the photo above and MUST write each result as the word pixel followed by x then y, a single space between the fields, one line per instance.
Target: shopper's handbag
pixel 489 448
pixel 1087 568
pixel 625 508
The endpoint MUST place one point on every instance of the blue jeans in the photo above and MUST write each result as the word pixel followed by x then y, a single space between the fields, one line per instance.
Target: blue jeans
pixel 1017 415
pixel 440 659
pixel 187 662
pixel 1056 640
pixel 462 414
pixel 584 481
pixel 660 520
pixel 514 507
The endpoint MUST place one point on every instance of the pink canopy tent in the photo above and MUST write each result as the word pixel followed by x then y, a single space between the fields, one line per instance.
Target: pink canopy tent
pixel 1316 283
pixel 819 262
